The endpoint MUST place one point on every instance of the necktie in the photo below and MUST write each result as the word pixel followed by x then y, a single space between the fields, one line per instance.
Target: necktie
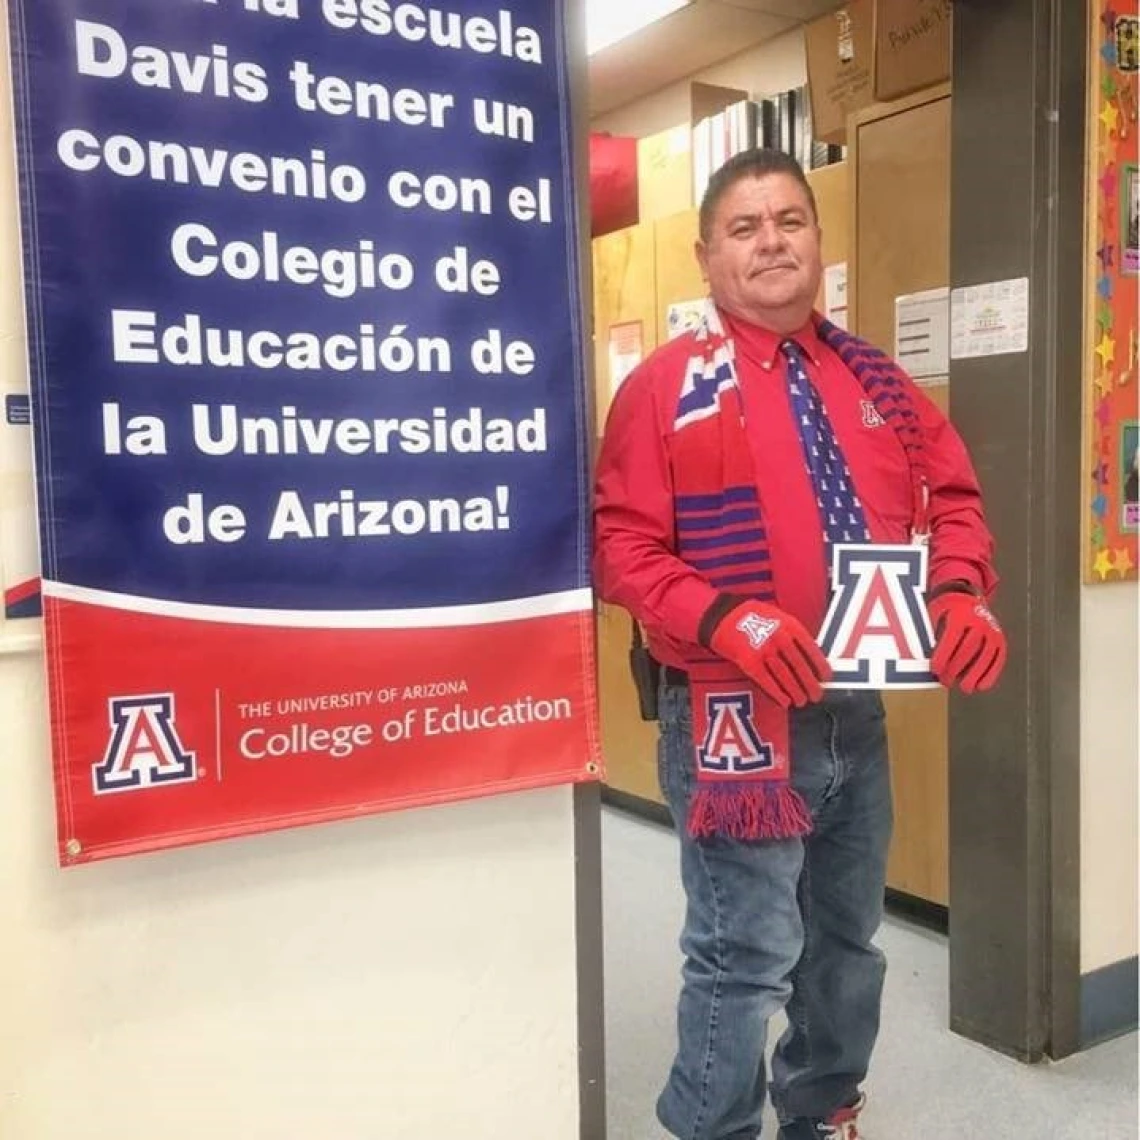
pixel 840 511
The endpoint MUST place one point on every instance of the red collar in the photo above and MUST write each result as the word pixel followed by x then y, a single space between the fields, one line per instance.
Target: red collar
pixel 762 346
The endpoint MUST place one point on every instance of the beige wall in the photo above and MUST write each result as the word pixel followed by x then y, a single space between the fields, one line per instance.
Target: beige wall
pixel 1110 749
pixel 767 69
pixel 407 976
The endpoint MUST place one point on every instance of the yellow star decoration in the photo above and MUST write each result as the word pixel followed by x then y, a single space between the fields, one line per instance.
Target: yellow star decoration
pixel 1104 383
pixel 1106 350
pixel 1103 564
pixel 1123 560
pixel 1109 115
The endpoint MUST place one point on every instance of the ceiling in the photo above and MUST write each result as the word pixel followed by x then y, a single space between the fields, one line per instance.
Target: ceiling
pixel 698 36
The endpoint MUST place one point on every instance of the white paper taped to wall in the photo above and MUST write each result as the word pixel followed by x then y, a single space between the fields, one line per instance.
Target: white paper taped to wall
pixel 922 333
pixel 990 319
pixel 626 352
pixel 835 293
pixel 19 550
pixel 683 316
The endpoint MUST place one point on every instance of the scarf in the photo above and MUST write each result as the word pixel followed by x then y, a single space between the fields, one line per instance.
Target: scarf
pixel 742 737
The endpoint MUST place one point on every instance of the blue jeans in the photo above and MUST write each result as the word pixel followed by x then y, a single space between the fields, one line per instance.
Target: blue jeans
pixel 782 923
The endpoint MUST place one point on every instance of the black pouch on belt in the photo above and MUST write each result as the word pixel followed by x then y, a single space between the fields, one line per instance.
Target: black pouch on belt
pixel 646 674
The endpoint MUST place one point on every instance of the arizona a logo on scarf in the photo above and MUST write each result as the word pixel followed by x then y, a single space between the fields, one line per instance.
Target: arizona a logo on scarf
pixel 731 742
pixel 877 632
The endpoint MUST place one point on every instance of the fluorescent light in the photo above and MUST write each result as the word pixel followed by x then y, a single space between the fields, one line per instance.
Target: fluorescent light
pixel 608 21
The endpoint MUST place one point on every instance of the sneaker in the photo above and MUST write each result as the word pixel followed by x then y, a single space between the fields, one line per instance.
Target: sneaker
pixel 840 1125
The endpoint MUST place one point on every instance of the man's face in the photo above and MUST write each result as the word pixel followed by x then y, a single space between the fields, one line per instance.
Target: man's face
pixel 762 257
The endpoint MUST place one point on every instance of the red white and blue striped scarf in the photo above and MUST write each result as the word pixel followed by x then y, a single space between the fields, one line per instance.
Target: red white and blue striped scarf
pixel 719 525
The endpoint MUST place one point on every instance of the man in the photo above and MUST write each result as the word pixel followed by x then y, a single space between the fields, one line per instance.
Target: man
pixel 735 458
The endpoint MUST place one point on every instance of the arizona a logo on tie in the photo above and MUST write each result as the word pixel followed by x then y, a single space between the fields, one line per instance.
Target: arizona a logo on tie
pixel 877 632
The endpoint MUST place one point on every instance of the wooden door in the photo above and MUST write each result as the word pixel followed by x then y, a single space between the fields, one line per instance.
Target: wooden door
pixel 900 237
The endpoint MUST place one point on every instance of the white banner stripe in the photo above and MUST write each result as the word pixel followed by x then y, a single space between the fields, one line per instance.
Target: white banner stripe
pixel 441 617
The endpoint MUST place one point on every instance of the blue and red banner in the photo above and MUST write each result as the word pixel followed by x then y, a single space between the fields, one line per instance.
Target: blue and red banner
pixel 308 409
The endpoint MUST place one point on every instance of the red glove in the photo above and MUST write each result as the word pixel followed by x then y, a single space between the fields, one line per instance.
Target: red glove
pixel 970 649
pixel 772 649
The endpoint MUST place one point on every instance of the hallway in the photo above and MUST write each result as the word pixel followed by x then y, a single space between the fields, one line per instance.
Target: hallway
pixel 927 1082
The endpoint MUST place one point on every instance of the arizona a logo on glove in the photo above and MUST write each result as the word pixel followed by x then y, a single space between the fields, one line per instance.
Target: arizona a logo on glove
pixel 757 628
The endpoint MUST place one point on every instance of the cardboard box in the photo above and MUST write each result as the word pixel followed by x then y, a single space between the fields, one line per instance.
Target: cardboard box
pixel 912 45
pixel 840 65
pixel 664 173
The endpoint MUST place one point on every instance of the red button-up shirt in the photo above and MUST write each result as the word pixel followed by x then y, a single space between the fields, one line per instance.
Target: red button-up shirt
pixel 635 559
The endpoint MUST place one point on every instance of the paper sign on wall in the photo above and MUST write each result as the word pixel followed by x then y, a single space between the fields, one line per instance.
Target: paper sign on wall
pixel 684 316
pixel 18 545
pixel 922 333
pixel 626 351
pixel 990 319
pixel 835 293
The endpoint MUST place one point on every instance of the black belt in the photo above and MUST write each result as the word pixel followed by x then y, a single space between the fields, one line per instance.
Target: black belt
pixel 676 677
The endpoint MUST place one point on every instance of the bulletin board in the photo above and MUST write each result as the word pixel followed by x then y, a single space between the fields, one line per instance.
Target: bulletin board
pixel 1112 420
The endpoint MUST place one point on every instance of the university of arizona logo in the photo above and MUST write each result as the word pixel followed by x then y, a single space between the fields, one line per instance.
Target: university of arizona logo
pixel 731 742
pixel 144 749
pixel 877 632
pixel 871 416
pixel 757 629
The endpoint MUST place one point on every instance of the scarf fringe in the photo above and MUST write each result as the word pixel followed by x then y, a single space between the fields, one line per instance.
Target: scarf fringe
pixel 733 810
